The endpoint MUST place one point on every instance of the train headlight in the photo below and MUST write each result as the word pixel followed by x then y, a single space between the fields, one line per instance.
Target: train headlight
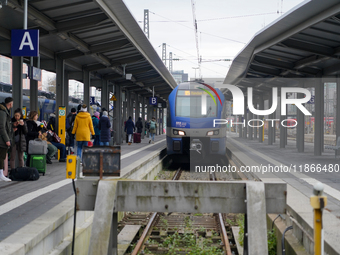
pixel 178 132
pixel 181 132
pixel 212 132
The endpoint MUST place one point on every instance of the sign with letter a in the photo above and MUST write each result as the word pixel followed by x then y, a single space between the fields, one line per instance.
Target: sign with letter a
pixel 25 43
pixel 153 100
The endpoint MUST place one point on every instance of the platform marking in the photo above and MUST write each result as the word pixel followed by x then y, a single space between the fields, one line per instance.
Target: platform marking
pixel 328 189
pixel 30 196
pixel 141 149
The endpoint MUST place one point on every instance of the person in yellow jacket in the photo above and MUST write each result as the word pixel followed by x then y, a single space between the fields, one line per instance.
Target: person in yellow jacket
pixel 82 128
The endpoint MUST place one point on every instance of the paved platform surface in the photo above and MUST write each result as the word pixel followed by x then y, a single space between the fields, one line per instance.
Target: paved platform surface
pixel 22 202
pixel 251 152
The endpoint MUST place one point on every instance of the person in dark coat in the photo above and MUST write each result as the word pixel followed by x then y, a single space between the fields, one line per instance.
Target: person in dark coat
pixel 129 129
pixel 20 130
pixel 103 110
pixel 33 131
pixel 71 118
pixel 139 125
pixel 6 135
pixel 95 122
pixel 104 127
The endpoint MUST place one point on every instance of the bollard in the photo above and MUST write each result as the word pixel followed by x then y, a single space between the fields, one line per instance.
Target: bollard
pixel 72 163
pixel 318 202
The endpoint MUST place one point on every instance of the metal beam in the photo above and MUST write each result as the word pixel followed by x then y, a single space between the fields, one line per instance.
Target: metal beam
pixel 83 22
pixel 309 47
pixel 105 47
pixel 70 54
pixel 127 60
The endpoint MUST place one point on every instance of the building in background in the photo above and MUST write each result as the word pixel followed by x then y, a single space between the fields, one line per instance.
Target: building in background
pixel 180 76
pixel 6 73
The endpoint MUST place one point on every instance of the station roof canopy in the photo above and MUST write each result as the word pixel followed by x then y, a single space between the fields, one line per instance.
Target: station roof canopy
pixel 100 36
pixel 303 43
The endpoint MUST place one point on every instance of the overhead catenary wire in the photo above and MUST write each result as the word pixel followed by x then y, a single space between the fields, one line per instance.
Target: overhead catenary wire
pixel 221 37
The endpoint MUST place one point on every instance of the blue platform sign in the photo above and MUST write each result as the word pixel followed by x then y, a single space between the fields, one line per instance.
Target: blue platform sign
pixel 152 100
pixel 312 100
pixel 25 43
pixel 92 100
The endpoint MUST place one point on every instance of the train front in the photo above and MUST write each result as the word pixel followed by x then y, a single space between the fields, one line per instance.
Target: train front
pixel 192 110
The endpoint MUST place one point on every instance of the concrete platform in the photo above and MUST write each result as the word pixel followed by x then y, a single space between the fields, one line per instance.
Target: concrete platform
pixel 300 188
pixel 23 202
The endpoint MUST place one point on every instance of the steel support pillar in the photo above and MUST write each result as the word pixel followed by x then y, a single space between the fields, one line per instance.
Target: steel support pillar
pixel 143 116
pixel 60 100
pixel 87 89
pixel 251 129
pixel 125 112
pixel 117 120
pixel 245 128
pixel 319 117
pixel 254 137
pixel 337 118
pixel 300 134
pixel 66 92
pixel 127 104
pixel 240 126
pixel 261 107
pixel 160 121
pixel 137 107
pixel 17 82
pixel 282 128
pixel 34 103
pixel 105 95
pixel 270 128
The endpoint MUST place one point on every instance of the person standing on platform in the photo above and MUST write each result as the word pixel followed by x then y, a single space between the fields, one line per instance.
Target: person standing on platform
pixel 105 132
pixel 33 131
pixel 152 129
pixel 95 122
pixel 71 117
pixel 103 110
pixel 82 128
pixel 139 125
pixel 20 130
pixel 6 134
pixel 129 129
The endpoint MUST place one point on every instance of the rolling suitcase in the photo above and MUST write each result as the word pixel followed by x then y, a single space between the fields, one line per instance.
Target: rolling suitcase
pixel 136 137
pixel 38 162
pixel 24 174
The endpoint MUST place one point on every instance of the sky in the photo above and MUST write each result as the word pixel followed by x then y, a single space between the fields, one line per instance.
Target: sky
pixel 224 27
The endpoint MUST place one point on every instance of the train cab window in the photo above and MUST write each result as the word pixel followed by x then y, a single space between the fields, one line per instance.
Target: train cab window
pixel 190 104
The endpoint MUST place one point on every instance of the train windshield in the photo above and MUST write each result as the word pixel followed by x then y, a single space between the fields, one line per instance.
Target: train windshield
pixel 195 104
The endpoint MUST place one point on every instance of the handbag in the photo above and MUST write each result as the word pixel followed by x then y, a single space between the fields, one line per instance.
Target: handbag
pixel 37 147
pixel 56 138
pixel 17 138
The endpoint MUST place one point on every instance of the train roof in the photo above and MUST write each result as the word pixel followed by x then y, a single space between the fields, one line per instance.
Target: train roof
pixel 192 85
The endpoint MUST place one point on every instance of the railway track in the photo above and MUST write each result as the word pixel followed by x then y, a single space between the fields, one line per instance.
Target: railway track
pixel 175 233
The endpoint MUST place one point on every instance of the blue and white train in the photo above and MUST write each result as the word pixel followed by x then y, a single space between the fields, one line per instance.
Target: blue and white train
pixel 192 109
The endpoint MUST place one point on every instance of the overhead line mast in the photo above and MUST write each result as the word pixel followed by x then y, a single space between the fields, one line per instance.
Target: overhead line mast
pixel 196 36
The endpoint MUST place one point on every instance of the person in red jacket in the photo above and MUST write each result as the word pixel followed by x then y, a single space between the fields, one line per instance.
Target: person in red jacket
pixel 82 128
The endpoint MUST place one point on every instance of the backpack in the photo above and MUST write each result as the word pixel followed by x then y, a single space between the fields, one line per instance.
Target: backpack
pixel 68 126
pixel 152 125
pixel 24 174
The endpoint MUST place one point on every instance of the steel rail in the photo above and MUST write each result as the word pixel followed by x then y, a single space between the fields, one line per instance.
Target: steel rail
pixel 151 221
pixel 224 232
